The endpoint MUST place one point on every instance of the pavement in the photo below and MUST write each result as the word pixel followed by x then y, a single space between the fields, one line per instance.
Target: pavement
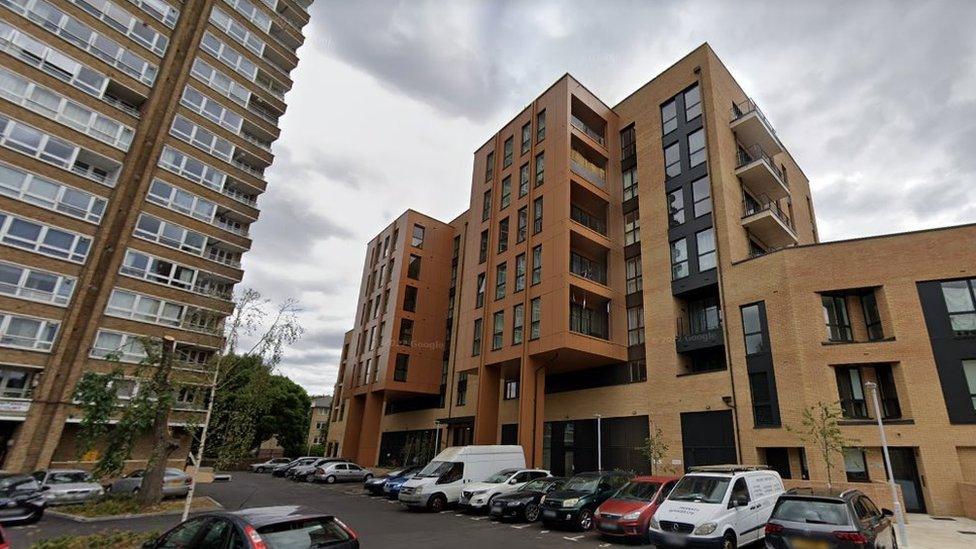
pixel 382 523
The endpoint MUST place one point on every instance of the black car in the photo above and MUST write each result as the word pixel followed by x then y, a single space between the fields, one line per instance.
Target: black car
pixel 282 470
pixel 375 485
pixel 524 503
pixel 284 527
pixel 573 505
pixel 21 499
pixel 835 519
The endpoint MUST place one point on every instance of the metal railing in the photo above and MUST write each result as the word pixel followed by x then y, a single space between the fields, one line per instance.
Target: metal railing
pixel 587 268
pixel 588 171
pixel 685 329
pixel 230 226
pixel 263 113
pixel 230 261
pixel 239 196
pixel 749 106
pixel 586 219
pixel 255 141
pixel 756 153
pixel 583 127
pixel 244 167
pixel 763 204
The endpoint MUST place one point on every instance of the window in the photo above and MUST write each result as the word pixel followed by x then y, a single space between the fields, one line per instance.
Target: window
pixel 406 332
pixel 192 169
pixel 413 268
pixel 506 192
pixel 672 161
pixel 23 332
pixel 201 138
pixel 855 465
pixel 631 228
pixel 217 80
pixel 635 325
pixel 587 321
pixel 628 146
pixel 636 371
pixel 483 247
pixel 669 117
pixel 836 318
pixel 418 236
pixel 540 126
pixel 702 196
pixel 144 308
pixel 501 274
pixel 239 32
pixel 498 330
pixel 508 152
pixel 752 329
pixel 476 340
pixel 511 389
pixel 33 236
pixel 35 285
pixel 526 137
pixel 523 224
pixel 706 249
pixel 462 389
pixel 960 299
pixel 540 169
pixel 692 103
pixel 176 199
pixel 15 382
pixel 630 183
pixel 53 61
pixel 503 235
pixel 229 56
pixel 679 259
pixel 851 390
pixel 696 148
pixel 634 280
pixel 537 215
pixel 160 271
pixel 33 189
pixel 400 370
pixel 519 272
pixel 518 321
pixel 969 372
pixel 763 413
pixel 489 165
pixel 676 208
pixel 524 180
pixel 410 298
pixel 537 264
pixel 28 140
pixel 872 319
pixel 479 299
pixel 535 317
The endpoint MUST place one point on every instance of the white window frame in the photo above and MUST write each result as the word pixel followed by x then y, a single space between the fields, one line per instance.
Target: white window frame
pixel 159 238
pixel 157 270
pixel 23 393
pixel 176 161
pixel 181 201
pixel 205 105
pixel 155 9
pixel 51 60
pixel 217 80
pixel 189 131
pixel 252 13
pixel 237 31
pixel 43 339
pixel 229 56
pixel 24 191
pixel 63 285
pixel 8 127
pixel 126 350
pixel 38 246
pixel 126 24
pixel 145 308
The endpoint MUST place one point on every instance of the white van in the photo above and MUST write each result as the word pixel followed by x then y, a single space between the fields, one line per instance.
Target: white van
pixel 721 506
pixel 440 482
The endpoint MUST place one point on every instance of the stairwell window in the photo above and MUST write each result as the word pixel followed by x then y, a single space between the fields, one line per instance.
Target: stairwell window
pixel 634 279
pixel 479 299
pixel 537 216
pixel 522 230
pixel 526 137
pixel 400 370
pixel 535 317
pixel 413 268
pixel 501 274
pixel 696 147
pixel 489 166
pixel 752 330
pixel 506 192
pixel 537 264
pixel 630 183
pixel 483 247
pixel 635 325
pixel 406 332
pixel 702 196
pixel 540 169
pixel 631 228
pixel 519 272
pixel 540 126
pixel 524 180
pixel 676 208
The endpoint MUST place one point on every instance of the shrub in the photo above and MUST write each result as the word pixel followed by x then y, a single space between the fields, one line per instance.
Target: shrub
pixel 116 540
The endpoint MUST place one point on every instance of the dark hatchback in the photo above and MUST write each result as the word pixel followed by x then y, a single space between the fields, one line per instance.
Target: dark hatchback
pixel 828 519
pixel 285 527
pixel 375 485
pixel 21 499
pixel 573 505
pixel 523 504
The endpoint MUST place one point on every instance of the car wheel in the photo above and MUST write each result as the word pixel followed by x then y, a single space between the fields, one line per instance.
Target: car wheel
pixel 36 517
pixel 728 542
pixel 367 477
pixel 585 520
pixel 531 512
pixel 330 479
pixel 436 503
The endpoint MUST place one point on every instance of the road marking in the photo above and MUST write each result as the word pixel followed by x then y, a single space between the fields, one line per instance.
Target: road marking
pixel 544 532
pixel 458 515
pixel 574 538
pixel 478 518
pixel 604 545
pixel 520 526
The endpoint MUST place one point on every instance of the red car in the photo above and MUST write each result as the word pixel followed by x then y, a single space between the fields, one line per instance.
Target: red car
pixel 626 513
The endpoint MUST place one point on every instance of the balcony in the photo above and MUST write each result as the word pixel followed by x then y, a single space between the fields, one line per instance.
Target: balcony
pixel 768 222
pixel 756 169
pixel 591 133
pixel 752 128
pixel 587 164
pixel 587 268
pixel 689 339
pixel 588 314
pixel 587 219
pixel 14 407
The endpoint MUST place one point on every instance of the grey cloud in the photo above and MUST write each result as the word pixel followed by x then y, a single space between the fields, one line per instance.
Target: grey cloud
pixel 332 167
pixel 289 227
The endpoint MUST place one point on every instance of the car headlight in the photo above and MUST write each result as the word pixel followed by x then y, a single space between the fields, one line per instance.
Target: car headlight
pixel 418 489
pixel 705 529
pixel 631 516
pixel 571 502
pixel 478 492
pixel 654 524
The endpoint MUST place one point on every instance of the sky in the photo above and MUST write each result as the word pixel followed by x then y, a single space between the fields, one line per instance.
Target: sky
pixel 875 100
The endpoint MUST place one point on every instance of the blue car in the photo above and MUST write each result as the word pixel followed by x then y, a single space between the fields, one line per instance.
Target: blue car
pixel 374 486
pixel 391 488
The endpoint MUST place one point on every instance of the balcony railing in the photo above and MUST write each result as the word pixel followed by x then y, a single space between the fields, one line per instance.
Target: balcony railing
pixel 587 268
pixel 230 261
pixel 587 170
pixel 239 196
pixel 230 226
pixel 754 153
pixel 244 167
pixel 255 141
pixel 17 406
pixel 763 204
pixel 581 126
pixel 264 114
pixel 584 218
pixel 748 107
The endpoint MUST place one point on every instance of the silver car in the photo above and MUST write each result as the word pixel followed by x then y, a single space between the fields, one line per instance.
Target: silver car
pixel 175 483
pixel 341 471
pixel 267 466
pixel 64 486
pixel 303 473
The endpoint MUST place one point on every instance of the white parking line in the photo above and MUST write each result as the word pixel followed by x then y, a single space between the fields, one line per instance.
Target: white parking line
pixel 478 518
pixel 520 526
pixel 574 538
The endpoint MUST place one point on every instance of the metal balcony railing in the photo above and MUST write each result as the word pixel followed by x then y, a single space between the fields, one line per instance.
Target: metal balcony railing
pixel 239 196
pixel 583 127
pixel 586 169
pixel 584 218
pixel 762 204
pixel 587 268
pixel 755 152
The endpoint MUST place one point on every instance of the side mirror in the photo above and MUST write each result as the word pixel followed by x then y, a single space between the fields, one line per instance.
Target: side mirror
pixel 513 480
pixel 738 501
pixel 887 512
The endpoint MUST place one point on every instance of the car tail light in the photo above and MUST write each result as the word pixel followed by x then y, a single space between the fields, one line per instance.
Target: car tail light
pixel 853 537
pixel 254 538
pixel 773 528
pixel 319 471
pixel 352 533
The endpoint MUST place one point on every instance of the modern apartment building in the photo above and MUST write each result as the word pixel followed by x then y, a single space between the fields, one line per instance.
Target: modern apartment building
pixel 656 265
pixel 134 136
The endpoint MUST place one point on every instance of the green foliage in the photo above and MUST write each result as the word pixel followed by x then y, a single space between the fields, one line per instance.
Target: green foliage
pixel 820 427
pixel 116 540
pixel 654 449
pixel 97 400
pixel 314 450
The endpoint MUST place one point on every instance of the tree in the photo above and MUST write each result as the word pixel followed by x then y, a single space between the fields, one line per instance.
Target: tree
pixel 819 426
pixel 654 449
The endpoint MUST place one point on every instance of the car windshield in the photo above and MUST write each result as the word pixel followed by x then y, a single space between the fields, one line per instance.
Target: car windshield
pixel 303 534
pixel 435 469
pixel 812 511
pixel 582 483
pixel 67 477
pixel 10 483
pixel 701 489
pixel 501 476
pixel 640 491
pixel 537 485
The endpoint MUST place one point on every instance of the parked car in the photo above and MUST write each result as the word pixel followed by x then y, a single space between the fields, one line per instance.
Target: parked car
pixel 523 503
pixel 573 505
pixel 835 519
pixel 720 506
pixel 63 486
pixel 341 471
pixel 267 466
pixel 285 527
pixel 375 485
pixel 439 483
pixel 303 473
pixel 627 513
pixel 280 470
pixel 477 496
pixel 21 499
pixel 176 483
pixel 391 488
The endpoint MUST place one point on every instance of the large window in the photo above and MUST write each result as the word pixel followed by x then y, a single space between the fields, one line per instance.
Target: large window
pixel 402 364
pixel 28 140
pixel 676 208
pixel 537 215
pixel 837 320
pixel 752 329
pixel 498 330
pixel 669 117
pixel 192 169
pixel 211 109
pixel 228 56
pixel 518 321
pixel 508 149
pixel 417 240
pixel 413 267
pixel 631 228
pixel 537 264
pixel 220 82
pixel 519 272
pixel 692 103
pixel 679 259
pixel 630 183
pixel 501 278
pixel 36 334
pixel 628 147
pixel 762 404
pixel 53 61
pixel 851 390
pixel 202 138
pixel 635 325
pixel 696 148
pixel 503 235
pixel 33 189
pixel 634 280
pixel 587 321
pixel 169 234
pixel 476 339
pixel 160 271
pixel 872 318
pixel 535 317
pixel 126 304
pixel 121 346
pixel 960 299
pixel 410 298
pixel 34 284
pixel 511 389
pixel 176 199
pixel 706 249
pixel 672 161
pixel 702 196
pixel 35 237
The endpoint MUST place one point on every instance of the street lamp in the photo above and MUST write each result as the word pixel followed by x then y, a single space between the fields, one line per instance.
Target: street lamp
pixel 899 517
pixel 599 444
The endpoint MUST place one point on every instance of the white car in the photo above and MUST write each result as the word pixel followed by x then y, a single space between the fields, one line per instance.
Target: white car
pixel 724 506
pixel 440 483
pixel 64 486
pixel 477 496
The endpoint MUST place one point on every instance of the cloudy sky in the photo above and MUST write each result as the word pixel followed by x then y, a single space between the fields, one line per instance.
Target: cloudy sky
pixel 876 101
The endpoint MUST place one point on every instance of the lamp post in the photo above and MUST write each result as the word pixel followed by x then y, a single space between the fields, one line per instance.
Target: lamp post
pixel 899 517
pixel 599 443
pixel 437 437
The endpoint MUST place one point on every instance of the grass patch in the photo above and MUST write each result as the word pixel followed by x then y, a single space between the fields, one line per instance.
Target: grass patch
pixel 116 540
pixel 114 505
